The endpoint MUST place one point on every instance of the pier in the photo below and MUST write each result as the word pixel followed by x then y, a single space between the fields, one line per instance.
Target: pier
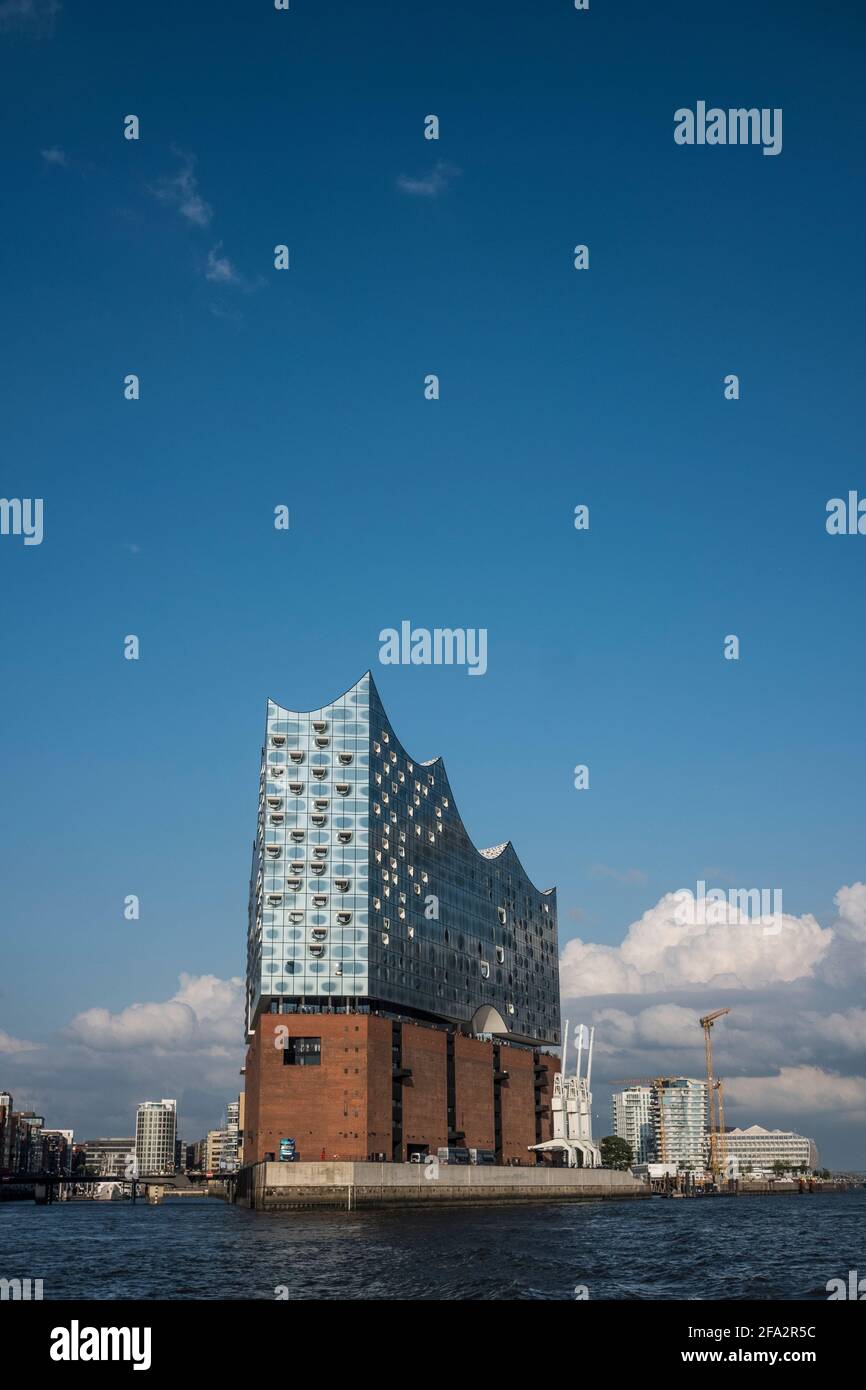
pixel 270 1186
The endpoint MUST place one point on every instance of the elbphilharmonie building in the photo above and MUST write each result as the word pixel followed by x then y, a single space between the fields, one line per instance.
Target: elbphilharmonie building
pixel 387 951
pixel 367 887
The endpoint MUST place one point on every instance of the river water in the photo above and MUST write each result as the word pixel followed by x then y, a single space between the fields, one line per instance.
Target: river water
pixel 200 1248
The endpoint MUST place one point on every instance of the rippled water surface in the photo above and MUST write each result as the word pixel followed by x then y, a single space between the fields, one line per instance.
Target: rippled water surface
pixel 746 1248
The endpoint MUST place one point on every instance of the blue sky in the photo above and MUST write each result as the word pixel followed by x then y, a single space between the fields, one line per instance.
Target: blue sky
pixel 306 388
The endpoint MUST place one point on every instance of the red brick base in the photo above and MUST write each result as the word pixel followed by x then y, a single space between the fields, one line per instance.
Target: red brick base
pixel 344 1107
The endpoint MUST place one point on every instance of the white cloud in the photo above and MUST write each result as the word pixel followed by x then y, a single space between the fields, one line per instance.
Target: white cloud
pixel 181 190
pixel 220 269
pixel 10 1044
pixel 662 952
pixel 660 1026
pixel 434 183
pixel 205 1013
pixel 621 875
pixel 845 1030
pixel 798 1090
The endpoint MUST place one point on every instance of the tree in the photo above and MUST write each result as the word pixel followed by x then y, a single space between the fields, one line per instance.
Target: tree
pixel 616 1152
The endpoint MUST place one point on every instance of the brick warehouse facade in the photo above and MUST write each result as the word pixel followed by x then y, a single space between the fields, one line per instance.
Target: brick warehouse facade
pixel 354 1085
pixel 401 983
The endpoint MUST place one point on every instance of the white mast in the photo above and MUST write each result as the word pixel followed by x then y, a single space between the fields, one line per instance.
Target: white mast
pixel 579 1048
pixel 589 1061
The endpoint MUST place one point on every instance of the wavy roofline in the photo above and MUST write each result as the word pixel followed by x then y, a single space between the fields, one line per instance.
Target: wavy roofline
pixel 487 856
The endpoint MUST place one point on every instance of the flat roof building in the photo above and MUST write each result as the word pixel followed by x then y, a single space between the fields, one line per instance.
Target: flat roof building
pixel 155 1136
pixel 633 1120
pixel 755 1151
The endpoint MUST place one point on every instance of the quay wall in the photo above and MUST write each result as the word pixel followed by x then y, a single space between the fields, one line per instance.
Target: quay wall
pixel 286 1186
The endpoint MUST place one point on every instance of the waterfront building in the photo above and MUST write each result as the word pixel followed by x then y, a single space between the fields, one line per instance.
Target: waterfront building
pixel 753 1152
pixel 27 1142
pixel 110 1158
pixel 401 984
pixel 7 1106
pixel 633 1120
pixel 679 1110
pixel 155 1134
pixel 57 1150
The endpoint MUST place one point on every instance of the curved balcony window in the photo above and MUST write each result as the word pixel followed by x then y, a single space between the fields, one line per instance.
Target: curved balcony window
pixel 485 970
pixel 297 756
pixel 318 868
pixel 296 917
pixel 342 884
pixel 320 851
pixel 273 851
pixel 278 740
pixel 345 758
pixel 317 951
pixel 321 803
pixel 320 900
pixel 275 899
pixel 297 836
pixel 342 788
pixel 275 771
pixel 344 918
pixel 322 740
pixel 297 866
pixel 275 802
pixel 293 883
pixel 319 933
pixel 277 818
pixel 344 837
pixel 320 773
pixel 296 788
pixel 319 726
pixel 319 818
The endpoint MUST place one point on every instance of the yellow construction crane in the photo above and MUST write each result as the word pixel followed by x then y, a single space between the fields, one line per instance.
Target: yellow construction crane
pixel 715 1102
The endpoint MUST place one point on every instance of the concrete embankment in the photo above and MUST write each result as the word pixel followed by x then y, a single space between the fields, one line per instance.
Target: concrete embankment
pixel 288 1186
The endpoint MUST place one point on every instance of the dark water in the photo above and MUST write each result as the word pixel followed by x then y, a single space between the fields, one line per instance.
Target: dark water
pixel 747 1248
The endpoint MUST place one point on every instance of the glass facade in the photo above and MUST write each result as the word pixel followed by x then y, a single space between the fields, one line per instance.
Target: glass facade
pixel 367 890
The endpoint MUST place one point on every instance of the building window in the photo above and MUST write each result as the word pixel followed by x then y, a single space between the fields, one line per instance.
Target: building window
pixel 302 1052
